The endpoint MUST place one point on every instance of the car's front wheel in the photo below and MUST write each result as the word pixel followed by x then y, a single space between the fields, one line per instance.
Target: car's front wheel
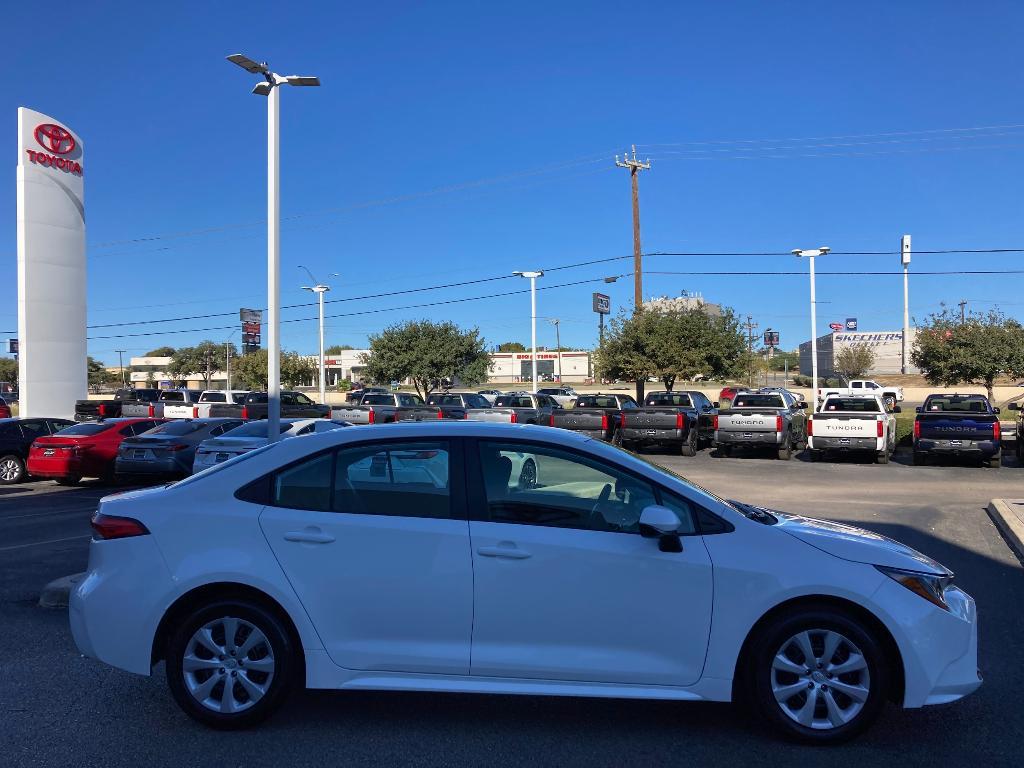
pixel 230 664
pixel 818 674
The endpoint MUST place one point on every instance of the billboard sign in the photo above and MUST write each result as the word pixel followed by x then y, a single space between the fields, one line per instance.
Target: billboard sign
pixel 12 346
pixel 836 326
pixel 851 323
pixel 602 304
pixel 51 265
pixel 252 322
pixel 771 338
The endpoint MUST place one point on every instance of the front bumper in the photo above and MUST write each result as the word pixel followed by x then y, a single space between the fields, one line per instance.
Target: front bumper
pixel 748 438
pixel 955 447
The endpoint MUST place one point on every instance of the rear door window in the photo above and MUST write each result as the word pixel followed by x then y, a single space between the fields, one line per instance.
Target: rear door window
pixel 408 479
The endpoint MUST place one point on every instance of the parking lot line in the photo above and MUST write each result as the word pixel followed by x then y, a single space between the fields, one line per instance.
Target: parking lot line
pixel 48 541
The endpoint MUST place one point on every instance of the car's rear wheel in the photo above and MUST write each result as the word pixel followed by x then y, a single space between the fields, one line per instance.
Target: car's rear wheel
pixel 230 664
pixel 785 451
pixel 994 462
pixel 819 675
pixel 882 457
pixel 12 470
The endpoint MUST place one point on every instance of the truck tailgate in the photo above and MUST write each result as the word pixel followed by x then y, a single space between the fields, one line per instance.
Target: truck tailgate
pixel 179 411
pixel 356 414
pixel 582 419
pixel 945 426
pixel 493 415
pixel 654 417
pixel 845 425
pixel 740 420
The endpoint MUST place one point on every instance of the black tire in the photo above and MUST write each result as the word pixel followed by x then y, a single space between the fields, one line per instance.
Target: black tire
pixel 813 455
pixel 772 639
pixel 69 480
pixel 630 445
pixel 617 438
pixel 995 461
pixel 689 448
pixel 785 451
pixel 1019 448
pixel 286 669
pixel 919 459
pixel 723 452
pixel 882 457
pixel 12 470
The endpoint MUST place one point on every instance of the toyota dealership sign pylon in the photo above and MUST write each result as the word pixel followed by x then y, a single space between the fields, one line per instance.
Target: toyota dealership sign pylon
pixel 51 267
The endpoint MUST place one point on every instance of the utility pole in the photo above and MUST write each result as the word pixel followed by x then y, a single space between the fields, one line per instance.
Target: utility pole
pixel 750 349
pixel 962 305
pixel 558 345
pixel 227 361
pixel 209 373
pixel 120 362
pixel 905 261
pixel 635 166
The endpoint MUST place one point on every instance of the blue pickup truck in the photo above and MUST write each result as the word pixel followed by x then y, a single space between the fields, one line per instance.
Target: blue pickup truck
pixel 957 425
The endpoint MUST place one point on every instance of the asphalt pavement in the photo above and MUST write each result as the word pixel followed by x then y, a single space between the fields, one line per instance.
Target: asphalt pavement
pixel 58 708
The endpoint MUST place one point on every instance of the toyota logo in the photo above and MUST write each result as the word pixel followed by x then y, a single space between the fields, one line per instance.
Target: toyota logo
pixel 55 138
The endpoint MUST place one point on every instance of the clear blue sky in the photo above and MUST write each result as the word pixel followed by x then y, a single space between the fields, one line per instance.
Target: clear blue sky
pixel 421 100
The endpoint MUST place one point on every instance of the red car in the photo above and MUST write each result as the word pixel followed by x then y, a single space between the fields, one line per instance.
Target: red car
pixel 728 394
pixel 84 450
pixel 5 409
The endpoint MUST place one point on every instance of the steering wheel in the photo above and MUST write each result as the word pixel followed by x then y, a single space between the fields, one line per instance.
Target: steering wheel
pixel 595 513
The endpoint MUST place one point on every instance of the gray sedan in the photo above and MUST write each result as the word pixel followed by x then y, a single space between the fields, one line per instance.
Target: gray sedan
pixel 169 448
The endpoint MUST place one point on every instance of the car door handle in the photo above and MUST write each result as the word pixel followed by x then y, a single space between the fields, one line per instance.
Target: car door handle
pixel 309 536
pixel 508 552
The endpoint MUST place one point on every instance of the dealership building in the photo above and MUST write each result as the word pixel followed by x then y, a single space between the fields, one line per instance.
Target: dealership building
pixel 887 346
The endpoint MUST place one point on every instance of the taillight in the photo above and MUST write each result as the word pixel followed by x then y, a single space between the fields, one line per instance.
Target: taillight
pixel 880 428
pixel 152 410
pixel 195 411
pixel 997 431
pixel 177 447
pixel 680 420
pixel 514 419
pixel 810 427
pixel 604 421
pixel 714 422
pixel 917 429
pixel 551 420
pixel 440 413
pixel 110 527
pixel 778 423
pixel 103 410
pixel 373 417
pixel 245 412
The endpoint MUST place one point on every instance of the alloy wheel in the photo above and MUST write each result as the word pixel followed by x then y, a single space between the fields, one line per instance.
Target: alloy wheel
pixel 820 679
pixel 228 665
pixel 528 475
pixel 10 469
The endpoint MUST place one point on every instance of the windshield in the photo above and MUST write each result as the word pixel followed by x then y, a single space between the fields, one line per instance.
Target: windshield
pixel 257 429
pixel 176 428
pixel 93 428
pixel 378 400
pixel 758 401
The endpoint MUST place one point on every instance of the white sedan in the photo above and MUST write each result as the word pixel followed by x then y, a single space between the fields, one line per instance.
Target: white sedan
pixel 253 434
pixel 411 558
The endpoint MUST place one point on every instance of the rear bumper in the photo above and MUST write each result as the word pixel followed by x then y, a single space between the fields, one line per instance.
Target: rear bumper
pixel 638 434
pixel 162 466
pixel 845 443
pixel 748 438
pixel 55 467
pixel 968 447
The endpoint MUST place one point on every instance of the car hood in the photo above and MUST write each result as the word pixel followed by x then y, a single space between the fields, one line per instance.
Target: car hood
pixel 851 543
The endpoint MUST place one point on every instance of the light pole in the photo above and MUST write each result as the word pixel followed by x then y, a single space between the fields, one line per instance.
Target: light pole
pixel 533 317
pixel 810 253
pixel 319 289
pixel 905 261
pixel 558 345
pixel 120 363
pixel 269 88
pixel 227 365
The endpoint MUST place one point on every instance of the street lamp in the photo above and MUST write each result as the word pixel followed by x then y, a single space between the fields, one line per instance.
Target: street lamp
pixel 810 253
pixel 533 316
pixel 269 88
pixel 558 344
pixel 319 289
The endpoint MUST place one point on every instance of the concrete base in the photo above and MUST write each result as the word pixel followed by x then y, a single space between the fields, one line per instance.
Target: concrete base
pixel 1008 515
pixel 56 593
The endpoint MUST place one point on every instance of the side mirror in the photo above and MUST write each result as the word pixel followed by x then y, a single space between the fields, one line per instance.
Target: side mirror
pixel 917 409
pixel 995 410
pixel 656 520
pixel 715 404
pixel 897 409
pixel 801 405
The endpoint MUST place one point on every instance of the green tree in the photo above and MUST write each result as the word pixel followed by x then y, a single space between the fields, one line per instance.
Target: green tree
pixel 161 352
pixel 854 361
pixel 511 346
pixel 975 351
pixel 98 375
pixel 9 370
pixel 201 360
pixel 781 361
pixel 337 349
pixel 250 371
pixel 428 353
pixel 671 345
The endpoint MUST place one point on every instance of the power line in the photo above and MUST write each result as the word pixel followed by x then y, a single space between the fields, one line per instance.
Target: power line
pixel 760 273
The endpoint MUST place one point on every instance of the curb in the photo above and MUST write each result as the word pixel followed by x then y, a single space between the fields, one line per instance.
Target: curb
pixel 1008 515
pixel 56 593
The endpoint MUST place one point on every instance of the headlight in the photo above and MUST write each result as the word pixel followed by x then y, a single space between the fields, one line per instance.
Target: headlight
pixel 928 585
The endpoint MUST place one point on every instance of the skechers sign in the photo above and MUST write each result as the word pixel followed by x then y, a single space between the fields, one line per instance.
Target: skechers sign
pixel 58 140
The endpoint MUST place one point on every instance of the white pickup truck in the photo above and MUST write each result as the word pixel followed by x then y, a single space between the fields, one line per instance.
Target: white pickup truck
pixel 890 395
pixel 852 424
pixel 200 408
